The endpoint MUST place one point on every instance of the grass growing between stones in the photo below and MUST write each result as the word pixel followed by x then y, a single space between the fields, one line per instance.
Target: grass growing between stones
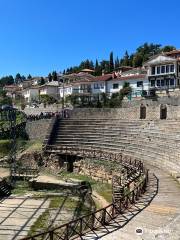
pixel 73 207
pixel 103 189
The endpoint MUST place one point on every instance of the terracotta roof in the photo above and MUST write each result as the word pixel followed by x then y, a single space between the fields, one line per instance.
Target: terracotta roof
pixel 140 76
pixel 105 77
pixel 172 52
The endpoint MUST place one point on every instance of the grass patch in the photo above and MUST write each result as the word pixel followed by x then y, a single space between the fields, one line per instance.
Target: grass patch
pixel 5 146
pixel 33 145
pixel 43 221
pixel 40 224
pixel 21 188
pixel 103 189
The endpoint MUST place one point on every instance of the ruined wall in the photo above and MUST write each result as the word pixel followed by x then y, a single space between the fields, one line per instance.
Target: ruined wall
pixel 37 130
pixel 131 113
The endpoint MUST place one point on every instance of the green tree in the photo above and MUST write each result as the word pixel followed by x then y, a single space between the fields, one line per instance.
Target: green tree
pixel 18 78
pixel 54 76
pixel 42 81
pixel 7 80
pixel 29 77
pixel 168 48
pixel 98 70
pixel 111 62
pixel 50 77
pixel 116 63
pixel 125 59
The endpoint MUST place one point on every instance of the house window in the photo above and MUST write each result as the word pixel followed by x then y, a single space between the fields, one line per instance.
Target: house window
pixel 167 68
pixel 140 84
pixel 162 83
pixel 158 70
pixel 153 70
pixel 152 83
pixel 172 68
pixel 115 86
pixel 167 82
pixel 162 69
pixel 172 81
pixel 102 85
pixel 83 86
pixel 158 83
pixel 96 86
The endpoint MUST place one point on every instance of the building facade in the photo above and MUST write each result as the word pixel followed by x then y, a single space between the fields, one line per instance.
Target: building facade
pixel 164 71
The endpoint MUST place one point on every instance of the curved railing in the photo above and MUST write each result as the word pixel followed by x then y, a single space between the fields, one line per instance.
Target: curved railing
pixel 133 186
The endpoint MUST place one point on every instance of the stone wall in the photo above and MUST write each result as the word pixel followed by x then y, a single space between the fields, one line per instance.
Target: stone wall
pixel 131 113
pixel 99 173
pixel 37 111
pixel 37 130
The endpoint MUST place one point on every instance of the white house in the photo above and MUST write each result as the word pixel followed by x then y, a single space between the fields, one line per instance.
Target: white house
pixel 50 88
pixel 138 83
pixel 162 72
pixel 65 90
pixel 30 94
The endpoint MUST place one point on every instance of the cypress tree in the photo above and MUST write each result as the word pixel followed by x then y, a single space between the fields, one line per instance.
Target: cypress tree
pixel 111 62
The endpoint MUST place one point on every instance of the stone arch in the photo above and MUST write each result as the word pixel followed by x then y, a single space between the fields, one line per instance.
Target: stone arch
pixel 163 111
pixel 142 111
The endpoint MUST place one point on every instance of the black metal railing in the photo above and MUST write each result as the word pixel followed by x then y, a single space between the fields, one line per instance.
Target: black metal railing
pixel 137 173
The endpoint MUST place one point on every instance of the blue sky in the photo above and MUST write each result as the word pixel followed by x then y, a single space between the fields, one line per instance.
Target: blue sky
pixel 38 36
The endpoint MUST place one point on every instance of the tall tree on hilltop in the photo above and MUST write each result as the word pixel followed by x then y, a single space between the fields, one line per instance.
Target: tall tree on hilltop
pixel 18 78
pixel 105 66
pixel 111 62
pixel 116 65
pixel 23 78
pixel 168 48
pixel 98 70
pixel 50 77
pixel 29 77
pixel 42 82
pixel 54 76
pixel 125 60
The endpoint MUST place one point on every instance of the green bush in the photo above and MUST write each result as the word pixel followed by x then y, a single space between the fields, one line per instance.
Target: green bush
pixel 5 146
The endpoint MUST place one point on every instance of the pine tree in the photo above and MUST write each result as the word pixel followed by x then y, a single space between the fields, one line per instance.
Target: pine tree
pixel 50 77
pixel 125 60
pixel 42 82
pixel 117 63
pixel 54 76
pixel 29 77
pixel 18 78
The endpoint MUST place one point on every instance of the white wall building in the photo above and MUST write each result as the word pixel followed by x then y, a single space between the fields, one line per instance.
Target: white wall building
pixel 136 82
pixel 30 94
pixel 50 88
pixel 163 72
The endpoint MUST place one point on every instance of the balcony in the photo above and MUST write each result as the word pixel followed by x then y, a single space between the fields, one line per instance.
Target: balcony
pixel 82 91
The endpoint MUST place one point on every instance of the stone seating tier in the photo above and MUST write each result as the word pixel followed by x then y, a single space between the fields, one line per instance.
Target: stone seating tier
pixel 147 140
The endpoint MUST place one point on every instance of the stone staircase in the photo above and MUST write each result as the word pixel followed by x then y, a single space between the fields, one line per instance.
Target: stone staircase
pixel 151 141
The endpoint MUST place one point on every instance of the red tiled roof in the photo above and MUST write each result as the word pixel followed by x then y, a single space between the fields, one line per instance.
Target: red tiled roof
pixel 105 77
pixel 172 52
pixel 140 76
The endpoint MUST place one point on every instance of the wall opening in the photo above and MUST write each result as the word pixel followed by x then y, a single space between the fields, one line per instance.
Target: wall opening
pixel 163 111
pixel 142 112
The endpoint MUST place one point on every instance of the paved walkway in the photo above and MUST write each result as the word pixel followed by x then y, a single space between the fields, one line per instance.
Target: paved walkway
pixel 158 219
pixel 17 214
